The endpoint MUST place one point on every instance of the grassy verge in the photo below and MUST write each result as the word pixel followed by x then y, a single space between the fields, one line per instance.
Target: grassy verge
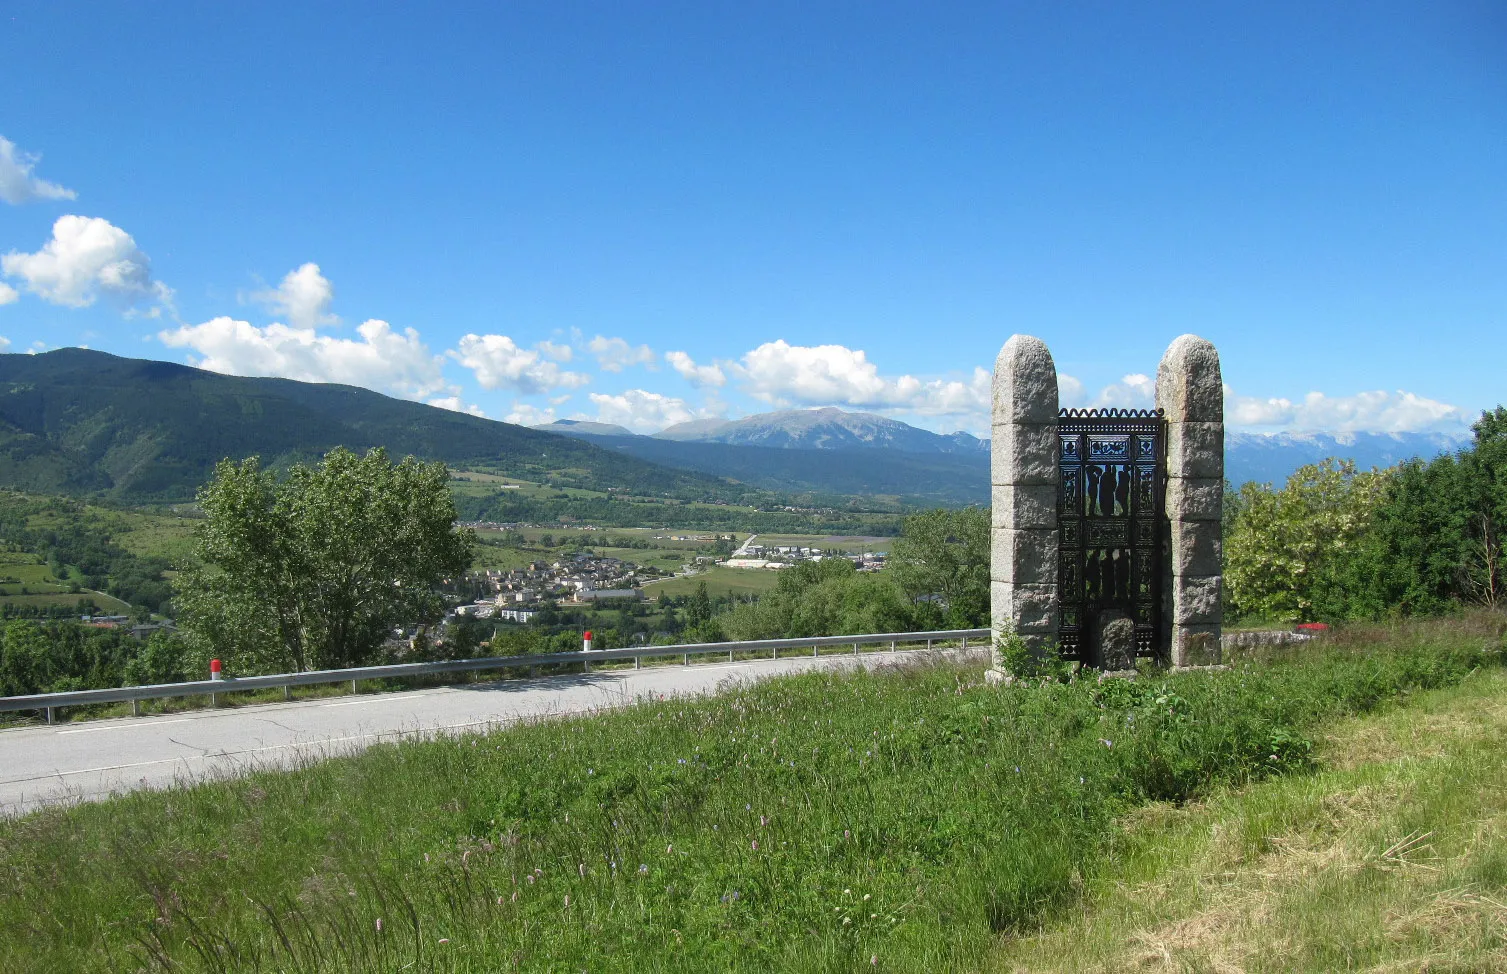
pixel 899 821
pixel 1392 857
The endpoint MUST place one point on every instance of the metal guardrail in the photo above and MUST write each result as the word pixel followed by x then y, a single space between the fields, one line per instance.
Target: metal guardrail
pixel 50 702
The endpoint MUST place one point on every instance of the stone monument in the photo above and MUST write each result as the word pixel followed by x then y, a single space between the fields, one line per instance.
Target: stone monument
pixel 1168 471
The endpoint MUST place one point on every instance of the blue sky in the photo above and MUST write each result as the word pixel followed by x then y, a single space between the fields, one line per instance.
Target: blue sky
pixel 646 213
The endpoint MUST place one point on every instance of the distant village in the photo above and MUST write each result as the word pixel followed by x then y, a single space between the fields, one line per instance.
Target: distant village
pixel 517 595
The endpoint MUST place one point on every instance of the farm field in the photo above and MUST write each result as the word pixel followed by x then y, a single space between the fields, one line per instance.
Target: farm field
pixel 719 581
pixel 25 580
pixel 906 820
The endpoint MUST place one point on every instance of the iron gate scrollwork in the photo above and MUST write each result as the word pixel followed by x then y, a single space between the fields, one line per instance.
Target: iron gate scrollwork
pixel 1110 519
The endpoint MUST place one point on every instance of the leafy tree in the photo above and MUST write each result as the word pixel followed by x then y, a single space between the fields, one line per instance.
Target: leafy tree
pixel 162 659
pixel 1293 554
pixel 25 666
pixel 1438 534
pixel 699 608
pixel 944 554
pixel 315 570
pixel 825 598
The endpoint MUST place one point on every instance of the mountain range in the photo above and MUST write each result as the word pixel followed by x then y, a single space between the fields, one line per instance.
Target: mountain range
pixel 86 422
pixel 830 449
pixel 80 421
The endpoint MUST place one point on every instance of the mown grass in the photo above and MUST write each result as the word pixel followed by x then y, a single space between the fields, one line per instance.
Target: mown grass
pixel 903 821
pixel 1392 857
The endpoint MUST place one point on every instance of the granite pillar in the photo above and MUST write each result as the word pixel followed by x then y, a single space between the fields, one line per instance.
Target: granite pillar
pixel 1023 558
pixel 1190 392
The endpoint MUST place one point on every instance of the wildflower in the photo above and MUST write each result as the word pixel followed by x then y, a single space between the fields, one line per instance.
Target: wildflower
pixel 582 870
pixel 756 845
pixel 444 940
pixel 643 867
pixel 379 924
pixel 846 921
pixel 846 835
pixel 867 897
pixel 567 899
pixel 763 821
pixel 873 960
pixel 499 899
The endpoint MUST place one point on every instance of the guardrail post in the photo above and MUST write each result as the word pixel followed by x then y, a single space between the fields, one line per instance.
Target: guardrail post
pixel 965 642
pixel 729 656
pixel 814 651
pixel 893 644
pixel 49 715
pixel 928 645
pixel 214 700
pixel 353 686
pixel 135 708
pixel 685 659
pixel 636 661
pixel 585 666
pixel 287 693
pixel 855 649
pixel 776 653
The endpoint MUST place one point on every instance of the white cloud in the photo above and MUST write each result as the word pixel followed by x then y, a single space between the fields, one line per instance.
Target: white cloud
pixel 303 297
pixel 560 353
pixel 1135 391
pixel 87 257
pixel 4 344
pixel 527 414
pixel 1374 412
pixel 698 375
pixel 615 354
pixel 383 359
pixel 640 410
pixel 784 374
pixel 8 294
pixel 1070 391
pixel 18 185
pixel 499 362
pixel 454 403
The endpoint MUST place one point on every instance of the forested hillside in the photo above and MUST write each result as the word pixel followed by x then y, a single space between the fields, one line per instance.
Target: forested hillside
pixel 85 422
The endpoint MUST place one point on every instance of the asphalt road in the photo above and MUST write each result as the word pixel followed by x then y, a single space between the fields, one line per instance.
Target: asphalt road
pixel 91 760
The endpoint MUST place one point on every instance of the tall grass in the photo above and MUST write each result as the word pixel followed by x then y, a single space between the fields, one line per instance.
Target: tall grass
pixel 901 820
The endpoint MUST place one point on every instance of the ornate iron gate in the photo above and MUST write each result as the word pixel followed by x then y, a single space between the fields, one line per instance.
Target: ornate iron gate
pixel 1110 529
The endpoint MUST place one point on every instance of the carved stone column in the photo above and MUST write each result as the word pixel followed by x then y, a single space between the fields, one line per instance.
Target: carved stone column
pixel 1190 391
pixel 1023 563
